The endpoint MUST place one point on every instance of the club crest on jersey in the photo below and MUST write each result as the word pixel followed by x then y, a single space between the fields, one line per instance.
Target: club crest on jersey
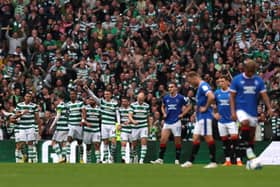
pixel 249 89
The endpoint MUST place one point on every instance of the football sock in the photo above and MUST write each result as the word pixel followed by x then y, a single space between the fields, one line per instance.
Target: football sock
pixel 162 150
pixel 57 149
pixel 178 151
pixel 226 147
pixel 89 156
pixel 123 151
pixel 106 152
pixel 97 155
pixel 18 155
pixel 195 149
pixel 113 150
pixel 212 151
pixel 143 151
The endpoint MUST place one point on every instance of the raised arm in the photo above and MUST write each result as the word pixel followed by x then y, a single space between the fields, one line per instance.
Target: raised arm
pixel 96 99
pixel 58 114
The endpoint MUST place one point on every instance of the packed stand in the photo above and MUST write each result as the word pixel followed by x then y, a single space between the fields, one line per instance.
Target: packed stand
pixel 51 47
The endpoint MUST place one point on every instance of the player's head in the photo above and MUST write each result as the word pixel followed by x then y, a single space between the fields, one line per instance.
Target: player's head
pixel 224 82
pixel 141 97
pixel 172 87
pixel 60 96
pixel 194 78
pixel 125 102
pixel 250 67
pixel 91 101
pixel 73 95
pixel 28 97
pixel 108 94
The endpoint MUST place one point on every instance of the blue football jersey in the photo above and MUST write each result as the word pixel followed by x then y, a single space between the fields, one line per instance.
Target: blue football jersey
pixel 173 107
pixel 201 100
pixel 247 92
pixel 223 105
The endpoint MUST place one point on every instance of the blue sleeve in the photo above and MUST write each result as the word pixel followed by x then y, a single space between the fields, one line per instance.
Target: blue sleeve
pixel 262 85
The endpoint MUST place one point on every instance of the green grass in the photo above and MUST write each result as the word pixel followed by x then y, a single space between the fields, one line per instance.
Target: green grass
pixel 115 175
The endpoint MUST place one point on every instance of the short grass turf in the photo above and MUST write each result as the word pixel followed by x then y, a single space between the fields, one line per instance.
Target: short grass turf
pixel 122 175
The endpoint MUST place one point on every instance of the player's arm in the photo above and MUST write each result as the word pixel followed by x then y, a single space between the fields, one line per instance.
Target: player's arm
pixel 38 121
pixel 130 117
pixel 84 115
pixel 210 100
pixel 118 116
pixel 186 109
pixel 58 114
pixel 232 105
pixel 266 101
pixel 163 110
pixel 96 99
pixel 215 108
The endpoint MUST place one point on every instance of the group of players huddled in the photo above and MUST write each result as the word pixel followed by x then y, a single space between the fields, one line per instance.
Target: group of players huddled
pixel 94 120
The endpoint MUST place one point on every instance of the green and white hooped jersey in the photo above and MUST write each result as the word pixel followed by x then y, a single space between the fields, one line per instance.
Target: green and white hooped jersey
pixel 93 117
pixel 61 124
pixel 27 120
pixel 108 112
pixel 75 113
pixel 140 114
pixel 124 118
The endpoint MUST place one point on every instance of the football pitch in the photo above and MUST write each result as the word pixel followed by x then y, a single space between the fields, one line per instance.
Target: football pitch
pixel 122 175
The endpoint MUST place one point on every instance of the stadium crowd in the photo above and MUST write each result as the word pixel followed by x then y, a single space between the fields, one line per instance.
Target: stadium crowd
pixel 50 47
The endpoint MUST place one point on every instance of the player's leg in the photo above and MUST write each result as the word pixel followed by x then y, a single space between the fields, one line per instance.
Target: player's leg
pixel 198 131
pixel 96 142
pixel 78 135
pixel 243 118
pixel 87 139
pixel 18 152
pixel 211 143
pixel 31 150
pixel 233 132
pixel 63 144
pixel 55 145
pixel 69 141
pixel 105 138
pixel 133 153
pixel 165 133
pixel 97 151
pixel 144 139
pixel 124 140
pixel 20 143
pixel 113 149
pixel 177 131
pixel 226 142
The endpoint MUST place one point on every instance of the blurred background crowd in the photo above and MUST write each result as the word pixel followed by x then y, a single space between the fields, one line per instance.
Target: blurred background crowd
pixel 50 46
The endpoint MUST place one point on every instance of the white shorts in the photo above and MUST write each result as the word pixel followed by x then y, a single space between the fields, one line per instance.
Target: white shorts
pixel 227 128
pixel 60 136
pixel 176 128
pixel 108 131
pixel 76 132
pixel 91 137
pixel 137 134
pixel 242 116
pixel 203 127
pixel 125 136
pixel 25 135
